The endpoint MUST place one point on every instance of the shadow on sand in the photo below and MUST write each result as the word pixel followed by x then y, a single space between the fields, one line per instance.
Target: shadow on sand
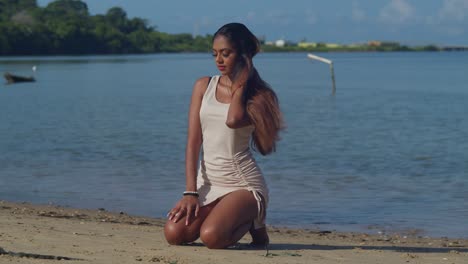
pixel 280 246
pixel 408 249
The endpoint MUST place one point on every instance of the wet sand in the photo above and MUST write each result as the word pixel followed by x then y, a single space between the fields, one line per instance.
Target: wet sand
pixel 51 234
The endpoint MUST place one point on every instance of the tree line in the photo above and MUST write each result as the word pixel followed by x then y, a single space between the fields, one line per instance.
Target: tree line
pixel 66 27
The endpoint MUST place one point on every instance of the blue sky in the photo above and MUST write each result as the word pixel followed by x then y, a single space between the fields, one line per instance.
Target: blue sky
pixel 410 22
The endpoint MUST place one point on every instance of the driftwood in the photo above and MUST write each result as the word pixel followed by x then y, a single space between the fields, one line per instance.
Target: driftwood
pixel 11 78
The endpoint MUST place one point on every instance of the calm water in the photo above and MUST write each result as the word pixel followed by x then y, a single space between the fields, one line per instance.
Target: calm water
pixel 388 153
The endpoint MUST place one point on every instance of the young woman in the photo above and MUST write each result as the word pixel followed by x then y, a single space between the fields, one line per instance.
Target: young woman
pixel 230 112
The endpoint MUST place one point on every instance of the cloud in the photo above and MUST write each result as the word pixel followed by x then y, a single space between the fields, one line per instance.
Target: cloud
pixel 276 17
pixel 450 19
pixel 454 10
pixel 250 15
pixel 357 14
pixel 396 12
pixel 203 21
pixel 310 17
pixel 454 32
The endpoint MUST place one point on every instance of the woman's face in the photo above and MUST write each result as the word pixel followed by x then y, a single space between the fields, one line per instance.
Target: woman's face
pixel 224 55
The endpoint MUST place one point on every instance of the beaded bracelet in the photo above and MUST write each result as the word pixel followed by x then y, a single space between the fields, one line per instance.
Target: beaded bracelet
pixel 191 193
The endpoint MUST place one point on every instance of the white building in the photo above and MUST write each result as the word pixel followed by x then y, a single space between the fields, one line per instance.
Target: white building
pixel 280 43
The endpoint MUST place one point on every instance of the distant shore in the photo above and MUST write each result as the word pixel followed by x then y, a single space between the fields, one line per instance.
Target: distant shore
pixel 270 49
pixel 365 48
pixel 35 233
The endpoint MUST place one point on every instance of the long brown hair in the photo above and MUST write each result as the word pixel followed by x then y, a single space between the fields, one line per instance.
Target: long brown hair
pixel 261 102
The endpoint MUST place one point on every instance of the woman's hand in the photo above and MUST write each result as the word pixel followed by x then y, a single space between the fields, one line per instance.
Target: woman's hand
pixel 187 206
pixel 243 74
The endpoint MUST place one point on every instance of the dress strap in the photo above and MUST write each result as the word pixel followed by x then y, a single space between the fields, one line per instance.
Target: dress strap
pixel 211 87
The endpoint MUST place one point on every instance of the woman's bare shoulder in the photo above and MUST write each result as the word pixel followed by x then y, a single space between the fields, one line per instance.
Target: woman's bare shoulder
pixel 201 84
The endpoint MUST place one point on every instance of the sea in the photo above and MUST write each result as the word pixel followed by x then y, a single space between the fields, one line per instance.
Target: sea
pixel 388 153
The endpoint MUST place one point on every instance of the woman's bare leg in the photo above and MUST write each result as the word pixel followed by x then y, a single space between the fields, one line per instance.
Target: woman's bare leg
pixel 229 220
pixel 178 233
pixel 259 237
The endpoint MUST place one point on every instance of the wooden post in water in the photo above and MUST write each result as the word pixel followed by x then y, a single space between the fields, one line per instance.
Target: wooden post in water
pixel 329 62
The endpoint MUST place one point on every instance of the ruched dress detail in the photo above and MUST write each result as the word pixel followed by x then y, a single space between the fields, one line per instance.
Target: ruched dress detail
pixel 226 163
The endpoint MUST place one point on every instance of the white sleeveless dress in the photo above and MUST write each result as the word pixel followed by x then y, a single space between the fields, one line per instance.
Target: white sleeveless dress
pixel 227 163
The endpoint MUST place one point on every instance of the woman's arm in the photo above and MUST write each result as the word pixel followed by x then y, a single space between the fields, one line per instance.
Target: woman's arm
pixel 188 205
pixel 194 134
pixel 237 115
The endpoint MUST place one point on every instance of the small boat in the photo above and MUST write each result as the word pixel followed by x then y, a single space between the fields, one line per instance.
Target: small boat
pixel 11 78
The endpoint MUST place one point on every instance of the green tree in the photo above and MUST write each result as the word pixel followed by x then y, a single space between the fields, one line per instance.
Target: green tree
pixel 144 42
pixel 117 17
pixel 202 44
pixel 431 48
pixel 67 8
pixel 69 26
pixel 9 8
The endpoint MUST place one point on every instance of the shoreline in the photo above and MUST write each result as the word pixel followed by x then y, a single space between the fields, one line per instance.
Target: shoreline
pixel 47 233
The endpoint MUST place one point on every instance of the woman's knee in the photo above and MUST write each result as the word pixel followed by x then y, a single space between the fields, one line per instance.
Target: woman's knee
pixel 177 234
pixel 213 238
pixel 172 233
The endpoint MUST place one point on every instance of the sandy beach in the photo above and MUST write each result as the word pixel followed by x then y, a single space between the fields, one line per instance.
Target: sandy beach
pixel 50 234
